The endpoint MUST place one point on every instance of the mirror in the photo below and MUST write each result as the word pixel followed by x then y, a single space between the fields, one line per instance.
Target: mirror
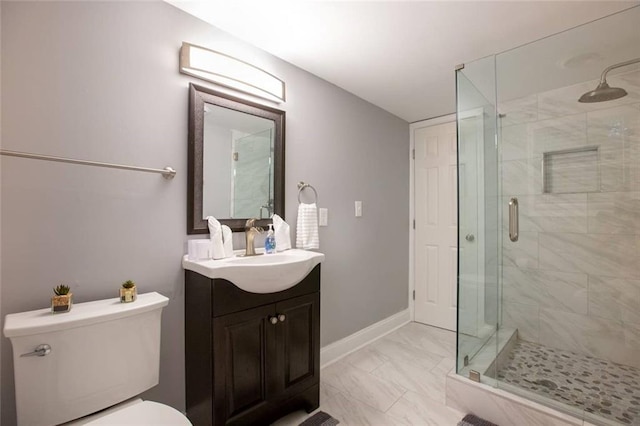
pixel 236 161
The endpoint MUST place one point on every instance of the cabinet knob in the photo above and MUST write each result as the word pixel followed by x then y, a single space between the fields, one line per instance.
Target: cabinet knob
pixel 282 317
pixel 273 320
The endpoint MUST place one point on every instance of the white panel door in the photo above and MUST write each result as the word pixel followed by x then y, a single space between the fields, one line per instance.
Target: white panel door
pixel 436 225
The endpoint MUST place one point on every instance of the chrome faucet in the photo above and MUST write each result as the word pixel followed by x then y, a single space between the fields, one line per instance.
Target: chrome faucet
pixel 250 232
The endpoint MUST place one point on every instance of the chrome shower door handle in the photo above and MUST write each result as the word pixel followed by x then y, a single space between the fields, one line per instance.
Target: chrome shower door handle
pixel 513 219
pixel 40 350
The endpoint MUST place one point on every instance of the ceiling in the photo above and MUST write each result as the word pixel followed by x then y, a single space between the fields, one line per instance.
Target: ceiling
pixel 398 55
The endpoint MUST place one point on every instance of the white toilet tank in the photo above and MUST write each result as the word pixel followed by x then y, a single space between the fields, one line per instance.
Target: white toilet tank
pixel 102 353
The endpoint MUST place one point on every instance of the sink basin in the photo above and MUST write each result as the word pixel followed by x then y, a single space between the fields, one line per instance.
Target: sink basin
pixel 267 273
pixel 278 258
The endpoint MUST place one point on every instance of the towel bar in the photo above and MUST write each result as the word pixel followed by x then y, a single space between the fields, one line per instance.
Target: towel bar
pixel 167 172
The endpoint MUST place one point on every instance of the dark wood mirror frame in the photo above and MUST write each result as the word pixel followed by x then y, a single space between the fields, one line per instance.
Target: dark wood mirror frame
pixel 198 96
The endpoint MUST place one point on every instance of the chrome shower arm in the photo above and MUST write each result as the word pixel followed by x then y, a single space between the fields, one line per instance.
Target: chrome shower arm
pixel 603 77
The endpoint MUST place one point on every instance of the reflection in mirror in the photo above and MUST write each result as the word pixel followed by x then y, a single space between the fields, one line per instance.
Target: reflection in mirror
pixel 238 164
pixel 236 160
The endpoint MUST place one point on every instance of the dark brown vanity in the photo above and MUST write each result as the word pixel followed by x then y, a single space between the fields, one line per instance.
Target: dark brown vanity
pixel 252 324
pixel 250 357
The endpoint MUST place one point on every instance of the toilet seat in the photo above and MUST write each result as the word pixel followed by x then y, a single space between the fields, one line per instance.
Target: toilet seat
pixel 138 413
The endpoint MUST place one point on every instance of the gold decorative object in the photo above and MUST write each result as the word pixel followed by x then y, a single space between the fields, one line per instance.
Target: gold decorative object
pixel 128 292
pixel 63 300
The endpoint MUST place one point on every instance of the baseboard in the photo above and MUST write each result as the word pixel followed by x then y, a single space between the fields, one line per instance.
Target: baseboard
pixel 343 347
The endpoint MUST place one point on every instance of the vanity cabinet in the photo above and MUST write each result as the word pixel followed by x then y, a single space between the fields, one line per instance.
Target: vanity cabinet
pixel 250 358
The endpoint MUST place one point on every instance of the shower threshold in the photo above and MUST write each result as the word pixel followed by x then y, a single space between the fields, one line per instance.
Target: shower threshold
pixel 606 391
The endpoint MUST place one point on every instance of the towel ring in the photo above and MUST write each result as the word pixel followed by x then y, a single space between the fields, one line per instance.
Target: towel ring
pixel 302 186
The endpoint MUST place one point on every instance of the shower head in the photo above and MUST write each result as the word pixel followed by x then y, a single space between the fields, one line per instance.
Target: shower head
pixel 603 92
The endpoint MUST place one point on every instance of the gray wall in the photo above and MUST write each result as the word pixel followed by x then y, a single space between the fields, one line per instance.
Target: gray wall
pixel 100 81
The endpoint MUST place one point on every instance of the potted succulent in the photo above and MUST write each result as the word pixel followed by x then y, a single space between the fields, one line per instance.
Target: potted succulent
pixel 63 300
pixel 128 292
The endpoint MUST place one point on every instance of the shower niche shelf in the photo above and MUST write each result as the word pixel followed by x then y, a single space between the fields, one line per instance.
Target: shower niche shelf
pixel 571 171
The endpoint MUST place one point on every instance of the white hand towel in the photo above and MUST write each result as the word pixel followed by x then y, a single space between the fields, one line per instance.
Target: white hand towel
pixel 215 233
pixel 307 227
pixel 227 241
pixel 281 233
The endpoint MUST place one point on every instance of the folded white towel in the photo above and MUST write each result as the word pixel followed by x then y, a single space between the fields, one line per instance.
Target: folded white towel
pixel 215 234
pixel 227 241
pixel 307 227
pixel 282 233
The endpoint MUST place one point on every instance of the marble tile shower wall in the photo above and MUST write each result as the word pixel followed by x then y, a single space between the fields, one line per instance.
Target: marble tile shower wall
pixel 251 174
pixel 572 281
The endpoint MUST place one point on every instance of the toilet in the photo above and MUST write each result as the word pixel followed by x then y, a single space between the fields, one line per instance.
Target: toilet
pixel 87 366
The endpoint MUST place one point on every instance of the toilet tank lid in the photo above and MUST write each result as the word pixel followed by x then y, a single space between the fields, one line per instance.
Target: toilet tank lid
pixel 82 314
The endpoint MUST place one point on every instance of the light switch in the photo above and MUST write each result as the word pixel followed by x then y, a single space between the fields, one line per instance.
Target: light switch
pixel 324 217
pixel 358 208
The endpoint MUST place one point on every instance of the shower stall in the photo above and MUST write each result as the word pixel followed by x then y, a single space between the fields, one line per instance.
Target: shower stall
pixel 549 220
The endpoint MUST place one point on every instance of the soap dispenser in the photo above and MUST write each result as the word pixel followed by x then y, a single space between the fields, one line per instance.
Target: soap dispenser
pixel 270 241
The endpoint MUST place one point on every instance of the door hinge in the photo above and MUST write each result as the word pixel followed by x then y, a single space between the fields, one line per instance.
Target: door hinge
pixel 414 295
pixel 414 224
pixel 413 154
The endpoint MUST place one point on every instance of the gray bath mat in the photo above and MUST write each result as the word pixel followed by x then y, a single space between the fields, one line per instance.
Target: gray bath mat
pixel 320 419
pixel 471 420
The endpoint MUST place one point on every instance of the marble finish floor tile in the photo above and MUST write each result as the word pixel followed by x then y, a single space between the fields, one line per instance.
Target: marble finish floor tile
pixel 390 349
pixel 432 340
pixel 600 387
pixel 412 377
pixel 358 384
pixel 396 380
pixel 414 409
pixel 350 411
pixel 366 359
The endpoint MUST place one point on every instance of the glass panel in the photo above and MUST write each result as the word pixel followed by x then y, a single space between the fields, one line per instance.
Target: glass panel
pixel 571 283
pixel 477 218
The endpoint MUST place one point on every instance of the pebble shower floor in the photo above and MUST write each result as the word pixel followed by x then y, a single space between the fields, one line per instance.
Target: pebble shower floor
pixel 604 388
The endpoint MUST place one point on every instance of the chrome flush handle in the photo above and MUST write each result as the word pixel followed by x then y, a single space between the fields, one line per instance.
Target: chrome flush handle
pixel 41 350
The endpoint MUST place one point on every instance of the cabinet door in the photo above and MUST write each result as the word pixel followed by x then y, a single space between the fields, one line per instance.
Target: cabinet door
pixel 298 343
pixel 244 353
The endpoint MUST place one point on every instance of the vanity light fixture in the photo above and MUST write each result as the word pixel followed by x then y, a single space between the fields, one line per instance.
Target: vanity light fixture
pixel 227 71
